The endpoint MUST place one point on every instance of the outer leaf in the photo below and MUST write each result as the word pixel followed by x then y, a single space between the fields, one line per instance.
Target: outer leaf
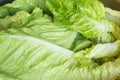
pixel 19 5
pixel 27 53
pixel 36 59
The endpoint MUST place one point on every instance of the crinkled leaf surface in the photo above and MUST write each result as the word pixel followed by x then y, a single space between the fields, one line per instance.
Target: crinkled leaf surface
pixel 19 5
pixel 41 26
pixel 28 58
pixel 84 16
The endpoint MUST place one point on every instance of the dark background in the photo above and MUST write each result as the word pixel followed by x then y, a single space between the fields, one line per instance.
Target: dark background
pixel 114 4
pixel 2 2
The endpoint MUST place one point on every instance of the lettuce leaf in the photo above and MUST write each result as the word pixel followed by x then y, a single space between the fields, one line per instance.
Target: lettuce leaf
pixel 113 15
pixel 105 50
pixel 36 59
pixel 81 43
pixel 19 5
pixel 75 14
pixel 38 25
pixel 6 77
pixel 13 21
pixel 111 35
pixel 27 52
pixel 86 17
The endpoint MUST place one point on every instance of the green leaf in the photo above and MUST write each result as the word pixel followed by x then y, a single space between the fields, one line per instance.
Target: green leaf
pixel 86 17
pixel 6 77
pixel 19 5
pixel 27 53
pixel 105 50
pixel 80 43
pixel 111 33
pixel 113 15
pixel 29 58
pixel 13 21
pixel 38 25
pixel 79 15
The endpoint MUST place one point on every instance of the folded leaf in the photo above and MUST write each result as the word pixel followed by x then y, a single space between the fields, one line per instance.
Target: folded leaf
pixel 113 15
pixel 80 43
pixel 110 35
pixel 105 50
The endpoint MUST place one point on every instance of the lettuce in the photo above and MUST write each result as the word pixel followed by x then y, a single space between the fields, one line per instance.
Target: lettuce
pixel 109 36
pixel 36 59
pixel 86 17
pixel 19 5
pixel 112 15
pixel 6 77
pixel 79 42
pixel 74 14
pixel 29 54
pixel 13 21
pixel 105 50
pixel 38 25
